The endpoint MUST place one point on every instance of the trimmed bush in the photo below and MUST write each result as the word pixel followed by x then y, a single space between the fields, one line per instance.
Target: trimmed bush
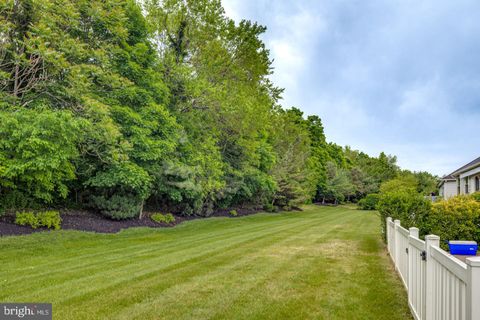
pixel 233 213
pixel 457 218
pixel 270 208
pixel 476 196
pixel 162 218
pixel 118 207
pixel 27 219
pixel 48 219
pixel 369 202
pixel 406 205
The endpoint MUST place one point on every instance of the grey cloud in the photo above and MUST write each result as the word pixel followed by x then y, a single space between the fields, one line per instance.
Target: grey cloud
pixel 398 76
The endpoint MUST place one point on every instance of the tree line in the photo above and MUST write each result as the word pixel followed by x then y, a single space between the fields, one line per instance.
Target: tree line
pixel 115 105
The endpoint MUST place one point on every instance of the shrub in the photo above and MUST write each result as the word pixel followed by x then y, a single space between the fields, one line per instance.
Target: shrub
pixel 405 183
pixel 120 190
pixel 457 218
pixel 16 200
pixel 37 152
pixel 369 202
pixel 475 196
pixel 270 208
pixel 49 219
pixel 165 218
pixel 117 207
pixel 27 219
pixel 406 205
pixel 233 213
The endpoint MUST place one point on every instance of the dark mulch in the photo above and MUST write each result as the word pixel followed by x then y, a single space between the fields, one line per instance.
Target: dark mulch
pixel 90 221
pixel 7 227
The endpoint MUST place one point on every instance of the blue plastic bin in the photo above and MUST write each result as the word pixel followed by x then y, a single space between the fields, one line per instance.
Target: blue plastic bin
pixel 468 248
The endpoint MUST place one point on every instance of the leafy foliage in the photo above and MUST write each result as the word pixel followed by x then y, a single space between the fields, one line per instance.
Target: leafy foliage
pixel 118 207
pixel 37 153
pixel 369 202
pixel 163 218
pixel 475 196
pixel 26 219
pixel 270 207
pixel 295 182
pixel 48 219
pixel 407 184
pixel 457 218
pixel 404 204
pixel 338 183
pixel 119 104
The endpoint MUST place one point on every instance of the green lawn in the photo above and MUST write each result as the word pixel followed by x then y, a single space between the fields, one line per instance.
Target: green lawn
pixel 322 263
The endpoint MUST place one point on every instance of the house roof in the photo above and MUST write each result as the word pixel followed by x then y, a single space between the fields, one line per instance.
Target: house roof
pixel 467 166
pixel 449 177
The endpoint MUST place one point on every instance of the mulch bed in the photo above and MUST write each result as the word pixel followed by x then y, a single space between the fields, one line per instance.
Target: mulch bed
pixel 94 222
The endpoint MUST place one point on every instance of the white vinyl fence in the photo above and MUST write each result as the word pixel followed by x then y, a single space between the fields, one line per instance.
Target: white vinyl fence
pixel 439 286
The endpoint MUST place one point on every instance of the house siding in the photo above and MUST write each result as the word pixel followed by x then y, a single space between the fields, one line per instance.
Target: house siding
pixel 470 177
pixel 465 177
pixel 462 185
pixel 448 189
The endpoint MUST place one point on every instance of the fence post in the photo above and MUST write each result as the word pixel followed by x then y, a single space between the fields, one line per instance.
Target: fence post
pixel 473 288
pixel 396 251
pixel 413 232
pixel 410 267
pixel 387 234
pixel 430 241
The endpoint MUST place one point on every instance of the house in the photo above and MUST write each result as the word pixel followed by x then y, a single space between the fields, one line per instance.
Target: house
pixel 464 180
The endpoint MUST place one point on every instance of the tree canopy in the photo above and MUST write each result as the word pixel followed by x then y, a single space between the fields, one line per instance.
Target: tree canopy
pixel 115 105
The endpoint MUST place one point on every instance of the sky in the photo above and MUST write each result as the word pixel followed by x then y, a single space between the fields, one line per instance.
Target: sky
pixel 400 76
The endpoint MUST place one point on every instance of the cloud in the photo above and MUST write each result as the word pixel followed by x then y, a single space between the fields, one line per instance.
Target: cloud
pixel 291 38
pixel 293 47
pixel 426 98
pixel 232 10
pixel 399 76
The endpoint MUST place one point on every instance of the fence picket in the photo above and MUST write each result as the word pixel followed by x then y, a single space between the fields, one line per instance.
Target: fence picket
pixel 439 286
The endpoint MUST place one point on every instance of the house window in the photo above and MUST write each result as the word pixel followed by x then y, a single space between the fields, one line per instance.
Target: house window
pixel 458 186
pixel 477 183
pixel 466 185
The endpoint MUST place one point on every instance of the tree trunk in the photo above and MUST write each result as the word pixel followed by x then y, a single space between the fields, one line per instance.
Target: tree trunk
pixel 15 80
pixel 16 71
pixel 140 215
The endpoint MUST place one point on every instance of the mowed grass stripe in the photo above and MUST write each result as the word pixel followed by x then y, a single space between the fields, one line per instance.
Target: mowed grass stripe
pixel 253 268
pixel 226 264
pixel 107 274
pixel 279 291
pixel 120 245
pixel 117 241
pixel 322 263
pixel 189 256
pixel 116 255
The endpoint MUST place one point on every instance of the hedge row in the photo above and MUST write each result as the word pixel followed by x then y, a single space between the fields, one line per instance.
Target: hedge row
pixel 457 218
